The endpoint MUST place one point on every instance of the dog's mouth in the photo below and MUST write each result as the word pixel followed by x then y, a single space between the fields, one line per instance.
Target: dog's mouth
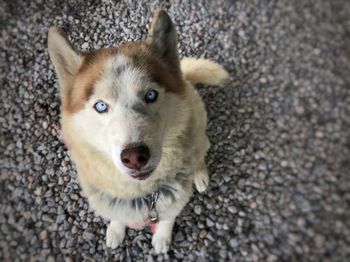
pixel 139 175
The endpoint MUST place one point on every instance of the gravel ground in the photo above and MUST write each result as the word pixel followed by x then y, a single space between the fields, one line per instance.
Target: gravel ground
pixel 279 162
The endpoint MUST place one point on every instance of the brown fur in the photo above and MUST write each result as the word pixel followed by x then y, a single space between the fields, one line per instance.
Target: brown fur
pixel 147 59
pixel 142 56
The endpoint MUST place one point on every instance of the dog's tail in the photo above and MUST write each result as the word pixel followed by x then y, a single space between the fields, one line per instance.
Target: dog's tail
pixel 203 71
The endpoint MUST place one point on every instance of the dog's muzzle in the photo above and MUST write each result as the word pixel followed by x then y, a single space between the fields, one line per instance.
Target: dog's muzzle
pixel 135 158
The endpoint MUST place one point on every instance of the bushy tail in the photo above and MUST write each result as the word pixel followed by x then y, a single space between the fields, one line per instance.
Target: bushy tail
pixel 203 71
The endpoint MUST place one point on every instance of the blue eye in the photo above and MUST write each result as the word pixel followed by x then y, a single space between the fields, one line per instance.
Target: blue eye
pixel 151 96
pixel 101 107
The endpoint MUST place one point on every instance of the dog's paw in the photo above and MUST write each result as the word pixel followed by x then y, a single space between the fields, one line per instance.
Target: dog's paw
pixel 161 243
pixel 114 236
pixel 201 180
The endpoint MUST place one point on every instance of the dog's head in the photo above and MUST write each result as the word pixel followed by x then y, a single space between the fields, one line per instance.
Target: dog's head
pixel 126 100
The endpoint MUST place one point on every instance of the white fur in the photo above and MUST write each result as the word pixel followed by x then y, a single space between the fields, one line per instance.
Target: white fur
pixel 162 238
pixel 203 71
pixel 121 126
pixel 175 156
pixel 97 138
pixel 91 131
pixel 115 234
pixel 173 128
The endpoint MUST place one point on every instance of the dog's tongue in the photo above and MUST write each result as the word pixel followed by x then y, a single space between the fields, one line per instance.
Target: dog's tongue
pixel 142 225
pixel 153 228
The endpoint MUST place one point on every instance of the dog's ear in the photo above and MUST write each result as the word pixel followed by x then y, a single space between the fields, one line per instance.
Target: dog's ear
pixel 65 57
pixel 162 37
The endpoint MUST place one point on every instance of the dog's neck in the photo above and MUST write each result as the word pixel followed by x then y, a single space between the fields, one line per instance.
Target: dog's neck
pixel 167 192
pixel 137 203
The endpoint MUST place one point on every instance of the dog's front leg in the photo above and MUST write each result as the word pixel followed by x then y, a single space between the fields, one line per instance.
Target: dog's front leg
pixel 115 234
pixel 162 237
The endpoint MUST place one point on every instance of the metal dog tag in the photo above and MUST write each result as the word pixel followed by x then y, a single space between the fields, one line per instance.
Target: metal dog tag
pixel 153 216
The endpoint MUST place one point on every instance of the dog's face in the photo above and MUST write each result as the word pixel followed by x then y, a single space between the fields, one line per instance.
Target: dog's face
pixel 124 101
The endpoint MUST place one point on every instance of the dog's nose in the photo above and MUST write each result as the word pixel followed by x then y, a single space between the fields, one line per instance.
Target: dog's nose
pixel 135 157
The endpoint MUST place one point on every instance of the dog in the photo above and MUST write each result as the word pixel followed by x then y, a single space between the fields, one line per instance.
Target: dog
pixel 135 127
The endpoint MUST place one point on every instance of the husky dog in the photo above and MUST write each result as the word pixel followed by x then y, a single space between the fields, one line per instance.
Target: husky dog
pixel 135 127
